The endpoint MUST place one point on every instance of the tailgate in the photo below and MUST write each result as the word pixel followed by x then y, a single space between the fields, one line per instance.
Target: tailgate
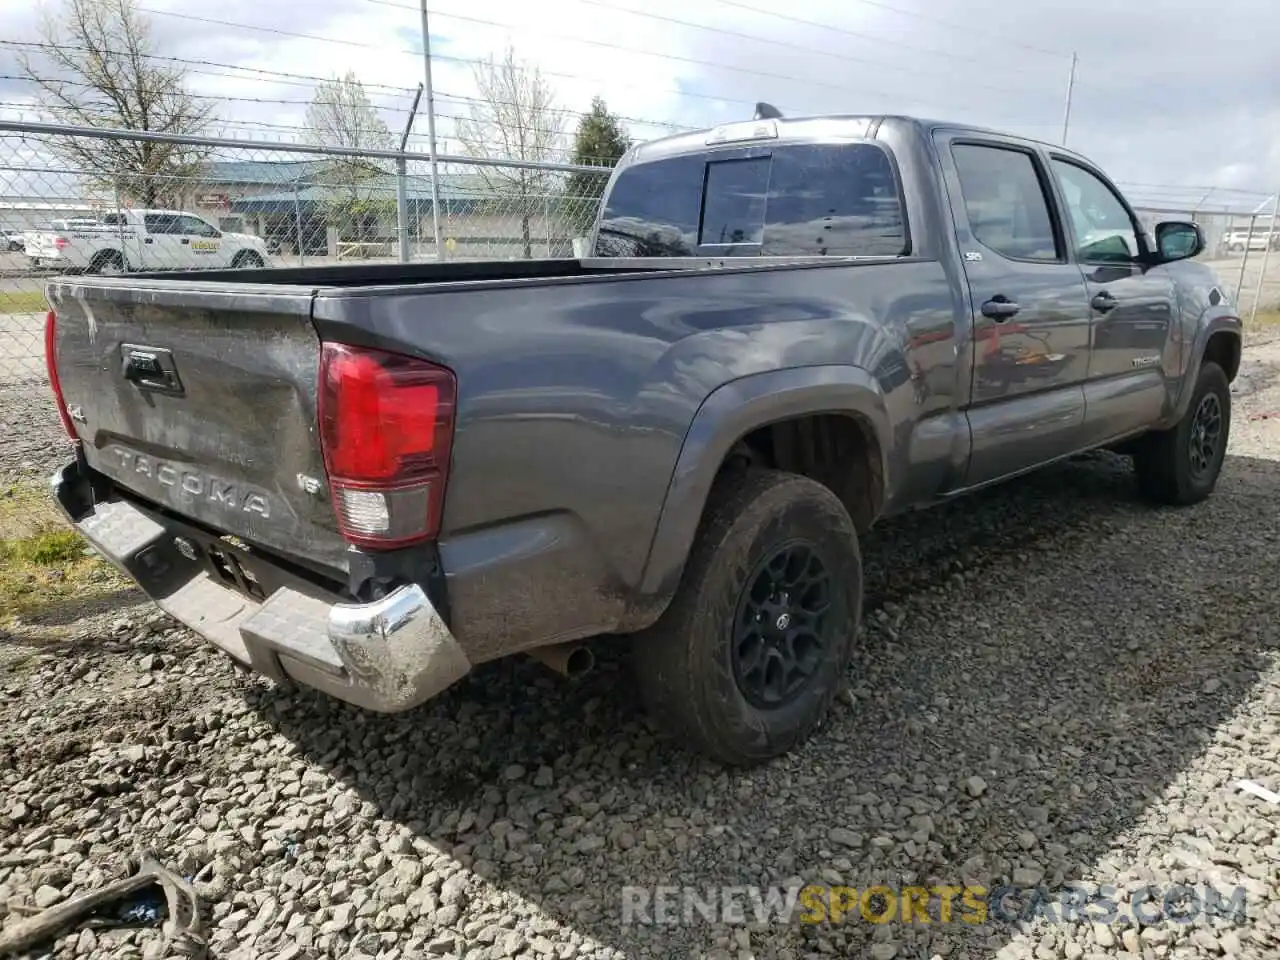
pixel 41 245
pixel 202 398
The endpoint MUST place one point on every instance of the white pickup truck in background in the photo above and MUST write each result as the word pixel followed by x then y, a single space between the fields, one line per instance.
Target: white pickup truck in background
pixel 133 240
pixel 1237 239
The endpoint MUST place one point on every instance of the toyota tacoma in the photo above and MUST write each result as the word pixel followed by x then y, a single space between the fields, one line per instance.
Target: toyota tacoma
pixel 370 479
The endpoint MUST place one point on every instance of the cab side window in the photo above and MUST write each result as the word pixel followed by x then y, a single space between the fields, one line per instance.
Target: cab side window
pixel 161 223
pixel 1005 202
pixel 1103 230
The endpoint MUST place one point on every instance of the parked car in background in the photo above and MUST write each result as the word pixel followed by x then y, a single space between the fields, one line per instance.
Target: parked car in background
pixel 1238 239
pixel 136 240
pixel 371 479
pixel 12 240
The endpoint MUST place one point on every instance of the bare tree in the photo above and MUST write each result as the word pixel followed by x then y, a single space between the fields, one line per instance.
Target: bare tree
pixel 341 115
pixel 97 68
pixel 514 118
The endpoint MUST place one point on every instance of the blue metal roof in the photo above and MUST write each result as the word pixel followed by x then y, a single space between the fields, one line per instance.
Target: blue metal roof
pixel 459 191
pixel 263 172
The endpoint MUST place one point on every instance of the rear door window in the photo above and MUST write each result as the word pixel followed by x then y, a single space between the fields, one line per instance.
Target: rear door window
pixel 834 201
pixel 161 223
pixel 1005 201
pixel 801 200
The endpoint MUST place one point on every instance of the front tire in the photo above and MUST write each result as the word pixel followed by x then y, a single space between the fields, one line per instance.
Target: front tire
pixel 745 662
pixel 1180 466
pixel 248 260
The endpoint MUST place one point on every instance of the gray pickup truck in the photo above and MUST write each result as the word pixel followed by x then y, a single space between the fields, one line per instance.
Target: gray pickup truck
pixel 370 479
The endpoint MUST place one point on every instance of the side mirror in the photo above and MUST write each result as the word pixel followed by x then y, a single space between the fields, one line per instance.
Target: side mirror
pixel 1178 240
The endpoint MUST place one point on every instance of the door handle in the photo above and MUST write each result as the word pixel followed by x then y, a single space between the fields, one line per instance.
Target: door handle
pixel 148 240
pixel 186 239
pixel 1000 308
pixel 1104 302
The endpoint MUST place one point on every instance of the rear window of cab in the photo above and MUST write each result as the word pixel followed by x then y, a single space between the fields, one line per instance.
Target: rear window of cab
pixel 803 200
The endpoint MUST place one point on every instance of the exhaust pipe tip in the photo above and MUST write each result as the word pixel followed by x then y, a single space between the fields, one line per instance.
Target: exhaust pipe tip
pixel 580 661
pixel 570 660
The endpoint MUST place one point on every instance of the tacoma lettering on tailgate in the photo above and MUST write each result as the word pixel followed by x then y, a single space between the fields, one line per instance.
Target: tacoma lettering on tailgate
pixel 199 486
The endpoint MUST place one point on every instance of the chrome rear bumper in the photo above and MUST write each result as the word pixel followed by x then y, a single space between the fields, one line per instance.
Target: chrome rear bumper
pixel 388 655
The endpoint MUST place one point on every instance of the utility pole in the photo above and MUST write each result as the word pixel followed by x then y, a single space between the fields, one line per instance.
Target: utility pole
pixel 431 133
pixel 1071 89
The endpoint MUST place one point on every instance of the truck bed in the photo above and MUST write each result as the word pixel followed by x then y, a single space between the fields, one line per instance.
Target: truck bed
pixel 476 271
pixel 394 274
pixel 577 384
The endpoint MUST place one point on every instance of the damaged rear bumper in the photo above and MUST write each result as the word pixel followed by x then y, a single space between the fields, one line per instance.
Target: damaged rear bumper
pixel 388 655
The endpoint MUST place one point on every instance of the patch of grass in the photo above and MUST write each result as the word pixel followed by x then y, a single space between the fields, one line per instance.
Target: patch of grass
pixel 44 549
pixel 27 509
pixel 1269 317
pixel 23 301
pixel 42 560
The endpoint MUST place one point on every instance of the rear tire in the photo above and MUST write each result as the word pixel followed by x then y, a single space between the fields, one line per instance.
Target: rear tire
pixel 744 663
pixel 1180 466
pixel 108 264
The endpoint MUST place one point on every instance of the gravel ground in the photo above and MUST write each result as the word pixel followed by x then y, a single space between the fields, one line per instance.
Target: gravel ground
pixel 1056 684
pixel 32 442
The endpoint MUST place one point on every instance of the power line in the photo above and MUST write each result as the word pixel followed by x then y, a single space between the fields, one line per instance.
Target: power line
pixel 472 61
pixel 966 28
pixel 276 31
pixel 844 31
pixel 467 61
pixel 187 61
pixel 310 82
pixel 879 64
pixel 673 57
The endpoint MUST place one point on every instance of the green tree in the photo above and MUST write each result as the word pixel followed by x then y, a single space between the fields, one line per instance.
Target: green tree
pixel 97 67
pixel 358 190
pixel 600 141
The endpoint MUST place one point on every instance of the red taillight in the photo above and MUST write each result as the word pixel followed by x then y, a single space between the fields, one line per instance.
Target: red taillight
pixel 60 243
pixel 51 360
pixel 386 425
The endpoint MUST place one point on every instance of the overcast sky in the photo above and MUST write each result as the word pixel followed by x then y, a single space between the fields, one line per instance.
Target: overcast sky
pixel 1171 98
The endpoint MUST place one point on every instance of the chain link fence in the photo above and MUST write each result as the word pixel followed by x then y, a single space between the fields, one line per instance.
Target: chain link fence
pixel 76 200
pixel 1240 245
pixel 73 199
